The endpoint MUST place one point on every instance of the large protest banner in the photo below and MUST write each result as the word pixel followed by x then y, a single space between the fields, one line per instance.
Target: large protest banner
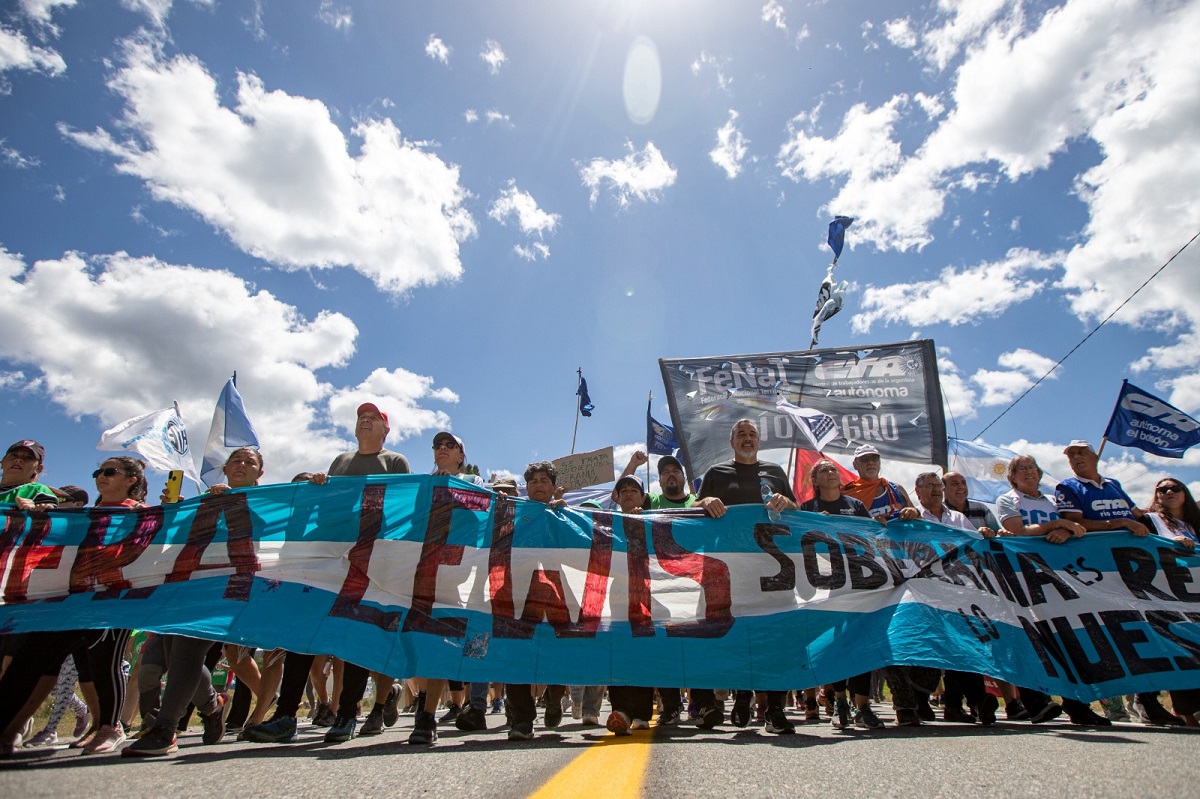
pixel 832 400
pixel 431 575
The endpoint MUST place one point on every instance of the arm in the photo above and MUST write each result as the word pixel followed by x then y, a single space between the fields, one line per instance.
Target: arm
pixel 638 458
pixel 1104 525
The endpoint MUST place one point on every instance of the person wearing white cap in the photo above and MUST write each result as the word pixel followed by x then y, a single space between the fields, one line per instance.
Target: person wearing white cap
pixel 884 499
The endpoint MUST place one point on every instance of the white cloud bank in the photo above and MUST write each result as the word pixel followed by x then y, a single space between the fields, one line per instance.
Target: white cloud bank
pixel 276 175
pixel 638 176
pixel 533 221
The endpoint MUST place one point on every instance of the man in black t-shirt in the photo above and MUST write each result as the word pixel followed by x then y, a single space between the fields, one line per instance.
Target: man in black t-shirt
pixel 740 481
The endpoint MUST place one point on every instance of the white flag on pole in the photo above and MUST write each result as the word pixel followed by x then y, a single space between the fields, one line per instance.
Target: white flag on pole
pixel 159 436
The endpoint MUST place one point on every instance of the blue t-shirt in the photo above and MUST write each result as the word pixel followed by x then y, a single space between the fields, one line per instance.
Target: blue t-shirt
pixel 1097 502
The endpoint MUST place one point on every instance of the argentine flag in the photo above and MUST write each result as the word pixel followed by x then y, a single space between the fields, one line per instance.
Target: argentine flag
pixel 231 428
pixel 986 469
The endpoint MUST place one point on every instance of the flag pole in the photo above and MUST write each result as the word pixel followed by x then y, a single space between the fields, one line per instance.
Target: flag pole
pixel 578 383
pixel 1103 441
pixel 649 402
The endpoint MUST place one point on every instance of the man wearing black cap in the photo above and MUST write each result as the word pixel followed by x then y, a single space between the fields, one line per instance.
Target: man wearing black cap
pixel 674 485
pixel 22 463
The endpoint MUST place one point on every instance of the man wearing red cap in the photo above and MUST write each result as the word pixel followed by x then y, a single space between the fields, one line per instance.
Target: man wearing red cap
pixel 22 463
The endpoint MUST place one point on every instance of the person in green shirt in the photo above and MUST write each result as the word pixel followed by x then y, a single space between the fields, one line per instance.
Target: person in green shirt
pixel 671 480
pixel 21 465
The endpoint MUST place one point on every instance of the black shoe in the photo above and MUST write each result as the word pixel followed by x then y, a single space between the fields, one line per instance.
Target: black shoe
pixel 553 716
pixel 471 720
pixel 907 718
pixel 778 722
pixel 373 725
pixel 1154 713
pixel 521 731
pixel 214 722
pixel 425 730
pixel 1089 718
pixel 1015 710
pixel 925 710
pixel 956 715
pixel 740 715
pixel 450 715
pixel 1051 711
pixel 987 710
pixel 709 717
pixel 391 707
pixel 841 719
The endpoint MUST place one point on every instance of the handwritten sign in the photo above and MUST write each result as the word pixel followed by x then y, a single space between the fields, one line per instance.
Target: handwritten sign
pixel 585 469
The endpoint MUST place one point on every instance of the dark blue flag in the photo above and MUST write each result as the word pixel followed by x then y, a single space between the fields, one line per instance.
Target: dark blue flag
pixel 660 438
pixel 585 402
pixel 1142 420
pixel 837 234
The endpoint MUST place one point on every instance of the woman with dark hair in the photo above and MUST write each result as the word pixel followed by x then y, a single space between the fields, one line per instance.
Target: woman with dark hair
pixel 98 654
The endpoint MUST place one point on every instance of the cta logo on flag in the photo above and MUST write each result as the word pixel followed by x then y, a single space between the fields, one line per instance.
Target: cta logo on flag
pixel 1142 420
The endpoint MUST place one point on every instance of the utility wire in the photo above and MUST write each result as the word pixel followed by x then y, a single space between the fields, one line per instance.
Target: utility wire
pixel 1089 335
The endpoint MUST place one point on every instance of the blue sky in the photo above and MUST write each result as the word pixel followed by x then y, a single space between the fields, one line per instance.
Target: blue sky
pixel 449 208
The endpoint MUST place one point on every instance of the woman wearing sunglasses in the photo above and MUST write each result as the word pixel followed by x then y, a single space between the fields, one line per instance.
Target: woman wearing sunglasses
pixel 1174 513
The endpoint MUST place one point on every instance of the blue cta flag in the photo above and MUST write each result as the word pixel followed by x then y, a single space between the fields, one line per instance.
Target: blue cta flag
pixel 585 402
pixel 1142 420
pixel 837 234
pixel 660 438
pixel 231 429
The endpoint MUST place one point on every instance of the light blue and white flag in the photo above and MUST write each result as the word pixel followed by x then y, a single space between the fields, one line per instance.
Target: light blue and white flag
pixel 231 429
pixel 159 436
pixel 986 469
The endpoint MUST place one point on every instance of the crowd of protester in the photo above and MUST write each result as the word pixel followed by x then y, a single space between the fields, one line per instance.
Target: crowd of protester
pixel 140 690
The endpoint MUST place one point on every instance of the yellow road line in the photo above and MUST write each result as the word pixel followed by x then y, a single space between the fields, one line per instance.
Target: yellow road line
pixel 613 767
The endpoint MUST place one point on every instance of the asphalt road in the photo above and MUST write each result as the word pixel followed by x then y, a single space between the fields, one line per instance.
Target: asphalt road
pixel 952 760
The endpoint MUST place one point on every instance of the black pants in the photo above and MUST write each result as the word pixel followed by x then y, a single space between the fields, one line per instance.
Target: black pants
pixel 634 701
pixel 98 655
pixel 295 676
pixel 704 697
pixel 522 705
pixel 960 685
pixel 859 685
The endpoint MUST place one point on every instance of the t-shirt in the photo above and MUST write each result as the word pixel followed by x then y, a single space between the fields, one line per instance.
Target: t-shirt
pixel 842 506
pixel 883 498
pixel 1096 501
pixel 1037 509
pixel 660 502
pixel 1162 527
pixel 40 494
pixel 741 483
pixel 352 464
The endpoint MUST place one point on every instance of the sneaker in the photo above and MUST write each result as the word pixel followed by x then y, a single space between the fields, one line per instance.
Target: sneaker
pixel 373 724
pixel 471 720
pixel 342 729
pixel 956 715
pixel 1051 711
pixel 391 706
pixel 924 709
pixel 841 719
pixel 43 738
pixel 1131 711
pixel 82 722
pixel 812 713
pixel 554 715
pixel 147 725
pixel 591 721
pixel 709 717
pixel 424 730
pixel 325 718
pixel 451 714
pixel 638 724
pixel 521 731
pixel 618 723
pixel 986 710
pixel 670 718
pixel 214 722
pixel 280 729
pixel 1015 710
pixel 866 719
pixel 1089 718
pixel 1155 714
pixel 740 715
pixel 778 723
pixel 156 741
pixel 497 706
pixel 107 739
pixel 907 718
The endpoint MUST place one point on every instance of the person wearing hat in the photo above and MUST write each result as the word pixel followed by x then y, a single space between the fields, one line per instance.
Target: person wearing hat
pixel 884 499
pixel 450 456
pixel 671 479
pixel 22 463
pixel 370 429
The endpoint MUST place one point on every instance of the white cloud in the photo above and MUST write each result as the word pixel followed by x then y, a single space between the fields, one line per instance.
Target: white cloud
pixel 731 147
pixel 438 50
pixel 957 297
pixel 159 10
pixel 493 56
pixel 89 351
pixel 717 64
pixel 471 115
pixel 336 18
pixel 514 202
pixel 16 159
pixel 254 21
pixel 16 52
pixel 958 397
pixel 494 116
pixel 930 104
pixel 536 251
pixel 772 13
pixel 968 20
pixel 276 175
pixel 638 176
pixel 40 12
pixel 900 33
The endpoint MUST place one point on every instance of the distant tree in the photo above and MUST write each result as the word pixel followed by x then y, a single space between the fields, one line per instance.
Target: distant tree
pixel 470 468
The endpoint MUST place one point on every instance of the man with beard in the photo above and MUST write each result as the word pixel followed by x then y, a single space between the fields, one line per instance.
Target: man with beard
pixel 671 479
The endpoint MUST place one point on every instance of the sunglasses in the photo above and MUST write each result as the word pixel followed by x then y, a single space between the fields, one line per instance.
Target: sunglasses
pixel 446 445
pixel 1169 489
pixel 109 472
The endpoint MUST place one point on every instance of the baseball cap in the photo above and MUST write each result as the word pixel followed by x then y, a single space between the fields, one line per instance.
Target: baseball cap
pixel 865 449
pixel 446 434
pixel 1078 443
pixel 370 406
pixel 669 460
pixel 72 494
pixel 504 484
pixel 629 478
pixel 37 449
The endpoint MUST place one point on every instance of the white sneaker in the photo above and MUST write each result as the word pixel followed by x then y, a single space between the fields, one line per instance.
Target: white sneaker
pixel 638 724
pixel 107 739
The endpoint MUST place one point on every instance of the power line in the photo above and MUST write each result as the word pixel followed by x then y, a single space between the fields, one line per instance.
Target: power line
pixel 1089 335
